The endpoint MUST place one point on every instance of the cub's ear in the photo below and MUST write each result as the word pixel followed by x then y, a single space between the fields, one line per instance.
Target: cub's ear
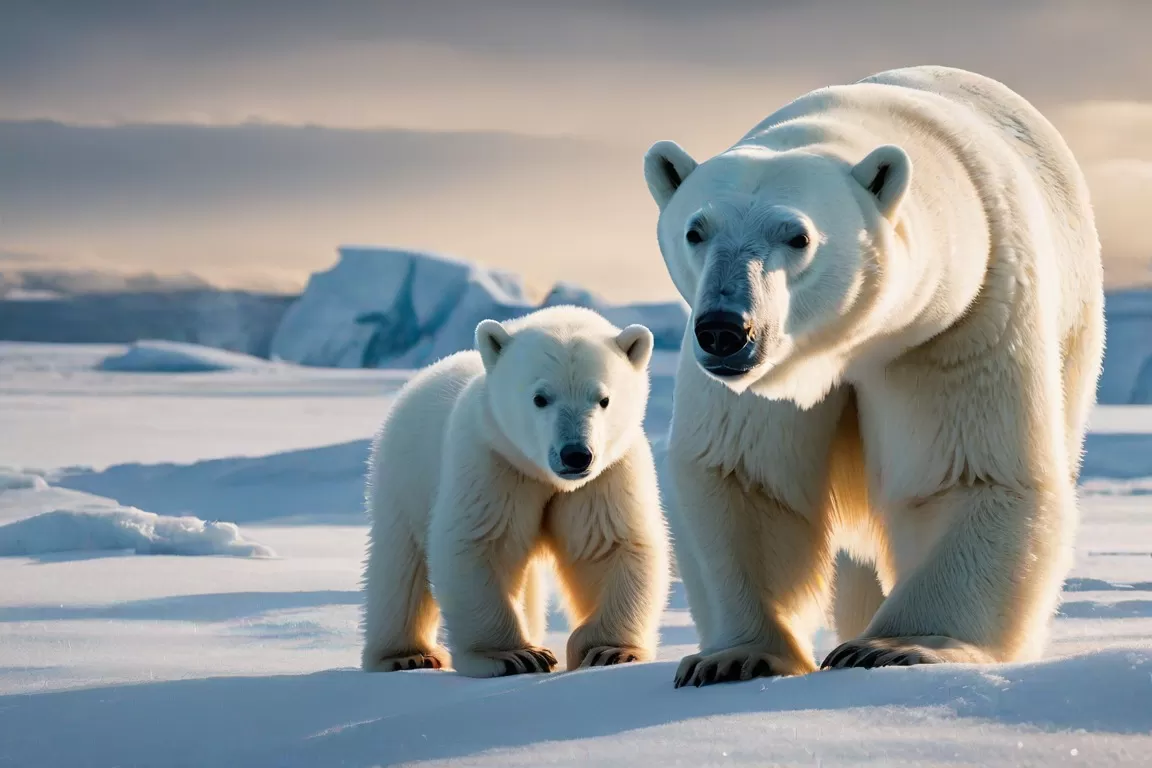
pixel 491 340
pixel 886 173
pixel 666 166
pixel 636 341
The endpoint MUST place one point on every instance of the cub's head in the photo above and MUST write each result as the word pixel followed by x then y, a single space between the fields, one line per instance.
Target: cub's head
pixel 779 254
pixel 567 389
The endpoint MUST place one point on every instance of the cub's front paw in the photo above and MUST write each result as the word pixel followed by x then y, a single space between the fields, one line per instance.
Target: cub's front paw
pixel 744 662
pixel 502 663
pixel 432 660
pixel 609 655
pixel 870 652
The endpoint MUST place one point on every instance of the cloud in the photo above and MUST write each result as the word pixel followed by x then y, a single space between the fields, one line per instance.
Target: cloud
pixel 508 131
pixel 236 202
pixel 1113 142
pixel 634 67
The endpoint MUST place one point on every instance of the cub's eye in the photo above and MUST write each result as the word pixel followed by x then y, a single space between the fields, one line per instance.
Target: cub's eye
pixel 540 401
pixel 799 242
pixel 694 236
pixel 604 403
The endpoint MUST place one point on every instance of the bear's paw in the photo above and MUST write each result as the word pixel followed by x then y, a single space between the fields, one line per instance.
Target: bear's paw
pixel 609 655
pixel 744 662
pixel 870 652
pixel 408 661
pixel 528 660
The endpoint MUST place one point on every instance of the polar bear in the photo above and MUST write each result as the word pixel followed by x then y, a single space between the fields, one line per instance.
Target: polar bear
pixel 494 464
pixel 897 330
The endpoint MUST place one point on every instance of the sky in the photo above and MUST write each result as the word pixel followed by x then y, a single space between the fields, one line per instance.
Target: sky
pixel 244 141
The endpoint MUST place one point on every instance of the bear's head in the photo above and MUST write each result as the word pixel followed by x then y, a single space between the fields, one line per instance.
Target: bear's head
pixel 780 254
pixel 567 390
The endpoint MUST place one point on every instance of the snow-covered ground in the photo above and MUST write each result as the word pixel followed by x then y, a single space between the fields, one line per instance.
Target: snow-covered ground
pixel 113 658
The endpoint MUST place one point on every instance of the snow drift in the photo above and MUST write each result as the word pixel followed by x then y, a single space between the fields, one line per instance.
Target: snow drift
pixel 146 533
pixel 381 308
pixel 38 518
pixel 175 357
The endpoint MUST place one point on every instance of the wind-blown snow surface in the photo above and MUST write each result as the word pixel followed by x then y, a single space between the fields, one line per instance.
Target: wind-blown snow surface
pixel 121 660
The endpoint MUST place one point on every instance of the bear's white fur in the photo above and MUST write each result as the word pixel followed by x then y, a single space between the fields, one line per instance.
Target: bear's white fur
pixel 471 500
pixel 898 291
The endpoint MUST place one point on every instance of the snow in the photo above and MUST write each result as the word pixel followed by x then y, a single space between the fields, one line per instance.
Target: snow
pixel 150 356
pixel 1021 715
pixel 382 308
pixel 109 658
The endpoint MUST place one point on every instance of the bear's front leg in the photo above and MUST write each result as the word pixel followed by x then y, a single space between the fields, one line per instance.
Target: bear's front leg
pixel 971 468
pixel 480 542
pixel 611 550
pixel 762 566
pixel 986 589
pixel 752 500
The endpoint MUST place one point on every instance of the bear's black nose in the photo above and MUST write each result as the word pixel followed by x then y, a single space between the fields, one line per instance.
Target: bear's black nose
pixel 721 334
pixel 575 457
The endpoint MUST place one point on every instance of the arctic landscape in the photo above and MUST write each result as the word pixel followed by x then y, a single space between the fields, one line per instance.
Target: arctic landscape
pixel 182 534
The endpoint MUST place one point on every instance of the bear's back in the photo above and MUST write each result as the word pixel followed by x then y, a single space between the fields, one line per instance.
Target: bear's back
pixel 1045 154
pixel 409 449
pixel 966 133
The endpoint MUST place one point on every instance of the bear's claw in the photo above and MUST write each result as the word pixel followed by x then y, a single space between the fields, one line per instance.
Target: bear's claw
pixel 868 653
pixel 735 664
pixel 518 661
pixel 410 661
pixel 529 660
pixel 608 655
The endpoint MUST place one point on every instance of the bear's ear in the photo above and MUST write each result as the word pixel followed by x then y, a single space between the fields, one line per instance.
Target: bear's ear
pixel 666 166
pixel 636 341
pixel 885 173
pixel 491 340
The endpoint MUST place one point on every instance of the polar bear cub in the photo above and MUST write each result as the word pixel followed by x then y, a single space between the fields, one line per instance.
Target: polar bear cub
pixel 495 463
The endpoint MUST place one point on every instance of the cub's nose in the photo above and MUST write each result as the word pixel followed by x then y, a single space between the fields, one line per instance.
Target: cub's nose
pixel 575 457
pixel 720 333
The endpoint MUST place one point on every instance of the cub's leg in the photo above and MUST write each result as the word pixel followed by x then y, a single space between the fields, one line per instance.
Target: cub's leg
pixel 611 551
pixel 485 529
pixel 752 497
pixel 400 617
pixel 534 599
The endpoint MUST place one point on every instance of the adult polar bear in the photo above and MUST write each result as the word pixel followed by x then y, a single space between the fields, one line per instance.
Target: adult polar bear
pixel 897 332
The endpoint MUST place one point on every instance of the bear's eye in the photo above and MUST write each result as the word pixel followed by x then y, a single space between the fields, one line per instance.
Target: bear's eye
pixel 799 242
pixel 604 402
pixel 694 236
pixel 540 401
